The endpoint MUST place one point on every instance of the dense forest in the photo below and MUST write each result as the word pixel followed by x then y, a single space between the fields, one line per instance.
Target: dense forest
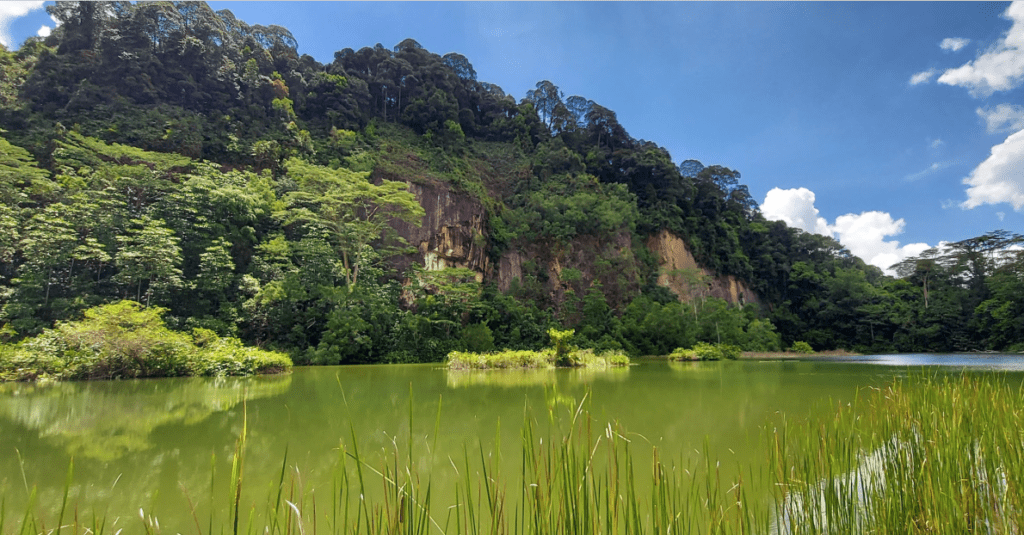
pixel 172 155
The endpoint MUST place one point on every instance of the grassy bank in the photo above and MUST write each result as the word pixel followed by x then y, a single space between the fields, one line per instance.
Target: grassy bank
pixel 925 455
pixel 125 340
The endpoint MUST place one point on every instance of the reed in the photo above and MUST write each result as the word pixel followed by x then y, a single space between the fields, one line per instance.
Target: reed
pixel 934 454
pixel 544 359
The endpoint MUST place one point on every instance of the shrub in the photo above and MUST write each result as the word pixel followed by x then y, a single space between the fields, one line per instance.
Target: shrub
pixel 563 352
pixel 801 347
pixel 683 354
pixel 706 351
pixel 125 340
pixel 615 358
pixel 730 351
pixel 478 337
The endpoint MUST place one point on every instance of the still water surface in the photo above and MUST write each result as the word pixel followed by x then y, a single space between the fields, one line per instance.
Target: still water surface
pixel 157 444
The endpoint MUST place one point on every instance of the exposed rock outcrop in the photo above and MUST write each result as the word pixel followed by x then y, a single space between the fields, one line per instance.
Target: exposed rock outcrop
pixel 681 273
pixel 452 234
pixel 510 268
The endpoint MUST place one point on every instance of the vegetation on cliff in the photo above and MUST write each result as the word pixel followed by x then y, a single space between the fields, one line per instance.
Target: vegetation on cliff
pixel 182 158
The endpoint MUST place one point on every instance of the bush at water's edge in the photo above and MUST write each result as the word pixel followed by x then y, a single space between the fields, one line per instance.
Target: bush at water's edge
pixel 706 351
pixel 562 355
pixel 127 340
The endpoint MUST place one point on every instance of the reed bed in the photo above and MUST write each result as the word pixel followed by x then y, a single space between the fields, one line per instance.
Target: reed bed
pixel 543 359
pixel 935 454
pixel 929 454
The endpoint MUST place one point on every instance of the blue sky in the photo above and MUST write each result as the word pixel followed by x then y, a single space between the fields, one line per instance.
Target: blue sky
pixel 891 126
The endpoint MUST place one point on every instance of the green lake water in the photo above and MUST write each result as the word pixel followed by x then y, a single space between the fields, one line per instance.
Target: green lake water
pixel 159 444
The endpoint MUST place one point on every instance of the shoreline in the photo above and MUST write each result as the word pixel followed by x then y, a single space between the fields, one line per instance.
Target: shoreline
pixel 788 355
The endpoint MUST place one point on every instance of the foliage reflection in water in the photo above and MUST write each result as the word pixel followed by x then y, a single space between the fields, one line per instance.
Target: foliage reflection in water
pixel 303 432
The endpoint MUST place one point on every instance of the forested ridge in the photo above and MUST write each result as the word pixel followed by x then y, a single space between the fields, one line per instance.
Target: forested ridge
pixel 175 156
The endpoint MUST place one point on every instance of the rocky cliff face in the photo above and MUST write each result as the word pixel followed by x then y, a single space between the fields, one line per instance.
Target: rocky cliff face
pixel 681 273
pixel 453 234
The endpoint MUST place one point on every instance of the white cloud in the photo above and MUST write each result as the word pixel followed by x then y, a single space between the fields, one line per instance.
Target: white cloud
pixel 936 143
pixel 1001 67
pixel 10 11
pixel 864 234
pixel 1000 178
pixel 796 208
pixel 953 44
pixel 937 166
pixel 1001 215
pixel 44 31
pixel 1004 117
pixel 922 77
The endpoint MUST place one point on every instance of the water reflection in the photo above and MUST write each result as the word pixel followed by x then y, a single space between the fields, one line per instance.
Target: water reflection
pixel 970 361
pixel 106 420
pixel 691 366
pixel 143 443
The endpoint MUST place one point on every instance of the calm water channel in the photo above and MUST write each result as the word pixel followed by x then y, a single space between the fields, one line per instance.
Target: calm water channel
pixel 156 444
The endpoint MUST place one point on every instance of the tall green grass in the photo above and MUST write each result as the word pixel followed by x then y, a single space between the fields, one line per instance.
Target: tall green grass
pixel 930 454
pixel 936 454
pixel 547 358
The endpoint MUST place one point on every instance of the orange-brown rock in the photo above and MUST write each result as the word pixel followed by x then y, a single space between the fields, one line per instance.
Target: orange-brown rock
pixel 681 273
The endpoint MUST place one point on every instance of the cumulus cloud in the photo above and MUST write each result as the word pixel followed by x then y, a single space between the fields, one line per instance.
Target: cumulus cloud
pixel 796 208
pixel 1000 178
pixel 953 44
pixel 1002 118
pixel 922 77
pixel 10 11
pixel 1000 68
pixel 936 143
pixel 863 234
pixel 44 31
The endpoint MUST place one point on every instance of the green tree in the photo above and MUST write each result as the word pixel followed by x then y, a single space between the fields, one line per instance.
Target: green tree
pixel 148 255
pixel 21 179
pixel 352 210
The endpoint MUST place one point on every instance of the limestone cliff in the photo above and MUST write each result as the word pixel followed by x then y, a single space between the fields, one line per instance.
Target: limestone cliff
pixel 680 273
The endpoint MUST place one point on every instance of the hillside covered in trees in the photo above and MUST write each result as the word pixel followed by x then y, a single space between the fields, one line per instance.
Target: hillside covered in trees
pixel 390 207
